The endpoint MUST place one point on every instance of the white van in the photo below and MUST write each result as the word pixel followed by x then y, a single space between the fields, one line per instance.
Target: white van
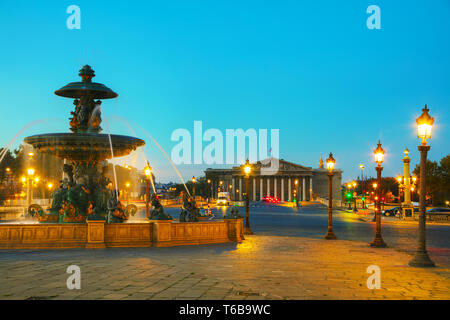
pixel 223 198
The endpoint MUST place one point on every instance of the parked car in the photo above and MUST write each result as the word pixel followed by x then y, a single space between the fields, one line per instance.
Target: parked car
pixel 438 210
pixel 392 211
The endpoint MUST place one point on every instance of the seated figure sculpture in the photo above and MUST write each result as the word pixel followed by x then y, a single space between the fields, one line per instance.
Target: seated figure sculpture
pixel 157 211
pixel 189 210
pixel 116 211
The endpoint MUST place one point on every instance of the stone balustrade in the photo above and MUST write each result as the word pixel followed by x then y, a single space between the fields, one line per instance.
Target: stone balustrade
pixel 98 234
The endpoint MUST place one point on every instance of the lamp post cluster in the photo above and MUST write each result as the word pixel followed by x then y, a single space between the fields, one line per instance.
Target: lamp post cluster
pixel 424 129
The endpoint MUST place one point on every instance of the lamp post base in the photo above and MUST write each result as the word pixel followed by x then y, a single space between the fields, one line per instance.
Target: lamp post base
pixel 330 235
pixel 421 260
pixel 248 231
pixel 378 242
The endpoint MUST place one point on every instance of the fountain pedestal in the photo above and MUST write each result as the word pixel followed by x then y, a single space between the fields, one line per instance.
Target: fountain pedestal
pixel 95 234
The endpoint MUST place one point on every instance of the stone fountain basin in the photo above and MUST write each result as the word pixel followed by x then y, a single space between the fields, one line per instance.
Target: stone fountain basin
pixel 84 146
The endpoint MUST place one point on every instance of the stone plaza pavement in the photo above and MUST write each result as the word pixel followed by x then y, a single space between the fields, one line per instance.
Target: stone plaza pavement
pixel 262 267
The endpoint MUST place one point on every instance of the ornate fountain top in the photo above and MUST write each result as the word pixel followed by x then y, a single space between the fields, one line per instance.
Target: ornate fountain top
pixel 86 73
pixel 87 114
pixel 86 87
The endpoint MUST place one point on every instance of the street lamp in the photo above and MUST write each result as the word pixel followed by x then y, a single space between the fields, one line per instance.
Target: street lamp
pixel 30 173
pixel 297 191
pixel 330 166
pixel 210 189
pixel 148 173
pixel 127 185
pixel 354 190
pixel 361 166
pixel 193 186
pixel 49 187
pixel 424 127
pixel 247 171
pixel 378 242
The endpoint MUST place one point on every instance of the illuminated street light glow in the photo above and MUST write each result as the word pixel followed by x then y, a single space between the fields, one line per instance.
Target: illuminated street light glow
pixel 379 154
pixel 424 125
pixel 148 170
pixel 330 163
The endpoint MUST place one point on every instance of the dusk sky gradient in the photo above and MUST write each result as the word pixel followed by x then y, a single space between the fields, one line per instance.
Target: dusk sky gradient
pixel 311 69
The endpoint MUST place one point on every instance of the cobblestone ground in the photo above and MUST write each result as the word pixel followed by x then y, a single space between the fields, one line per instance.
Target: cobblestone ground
pixel 262 267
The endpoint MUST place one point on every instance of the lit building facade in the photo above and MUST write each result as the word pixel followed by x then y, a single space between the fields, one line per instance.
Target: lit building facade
pixel 288 182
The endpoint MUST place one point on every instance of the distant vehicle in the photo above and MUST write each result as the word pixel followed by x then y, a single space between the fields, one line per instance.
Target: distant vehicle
pixel 223 198
pixel 391 212
pixel 271 199
pixel 438 210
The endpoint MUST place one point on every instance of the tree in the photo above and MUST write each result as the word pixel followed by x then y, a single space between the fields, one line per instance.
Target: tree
pixel 433 181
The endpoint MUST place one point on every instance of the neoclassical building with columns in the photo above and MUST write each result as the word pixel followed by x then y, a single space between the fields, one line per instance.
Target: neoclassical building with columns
pixel 288 182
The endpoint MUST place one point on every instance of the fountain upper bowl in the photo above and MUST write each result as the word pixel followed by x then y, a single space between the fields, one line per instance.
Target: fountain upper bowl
pixel 84 146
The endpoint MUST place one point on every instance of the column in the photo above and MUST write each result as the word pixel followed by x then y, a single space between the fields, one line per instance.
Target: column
pixel 268 186
pixel 282 189
pixel 233 190
pixel 310 189
pixel 304 189
pixel 240 189
pixel 275 187
pixel 289 190
pixel 254 189
pixel 261 188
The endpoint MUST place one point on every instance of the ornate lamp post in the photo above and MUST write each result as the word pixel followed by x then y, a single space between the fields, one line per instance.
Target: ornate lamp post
pixel 247 171
pixel 30 173
pixel 210 189
pixel 424 127
pixel 378 241
pixel 148 173
pixel 330 166
pixel 193 186
pixel 127 185
pixel 49 187
pixel 361 166
pixel 297 193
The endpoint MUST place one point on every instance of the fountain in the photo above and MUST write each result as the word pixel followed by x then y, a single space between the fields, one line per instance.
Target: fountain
pixel 84 193
pixel 85 210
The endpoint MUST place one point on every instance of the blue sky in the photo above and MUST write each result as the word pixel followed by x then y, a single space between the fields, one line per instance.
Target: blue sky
pixel 309 68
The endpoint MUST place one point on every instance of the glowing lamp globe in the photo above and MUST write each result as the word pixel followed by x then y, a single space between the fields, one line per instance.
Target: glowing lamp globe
pixel 379 153
pixel 330 163
pixel 247 168
pixel 424 125
pixel 147 170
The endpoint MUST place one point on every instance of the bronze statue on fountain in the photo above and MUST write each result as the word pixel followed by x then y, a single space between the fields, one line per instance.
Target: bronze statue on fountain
pixel 85 192
pixel 189 210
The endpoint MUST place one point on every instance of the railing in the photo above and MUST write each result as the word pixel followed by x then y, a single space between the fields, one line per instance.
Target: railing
pixel 438 216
